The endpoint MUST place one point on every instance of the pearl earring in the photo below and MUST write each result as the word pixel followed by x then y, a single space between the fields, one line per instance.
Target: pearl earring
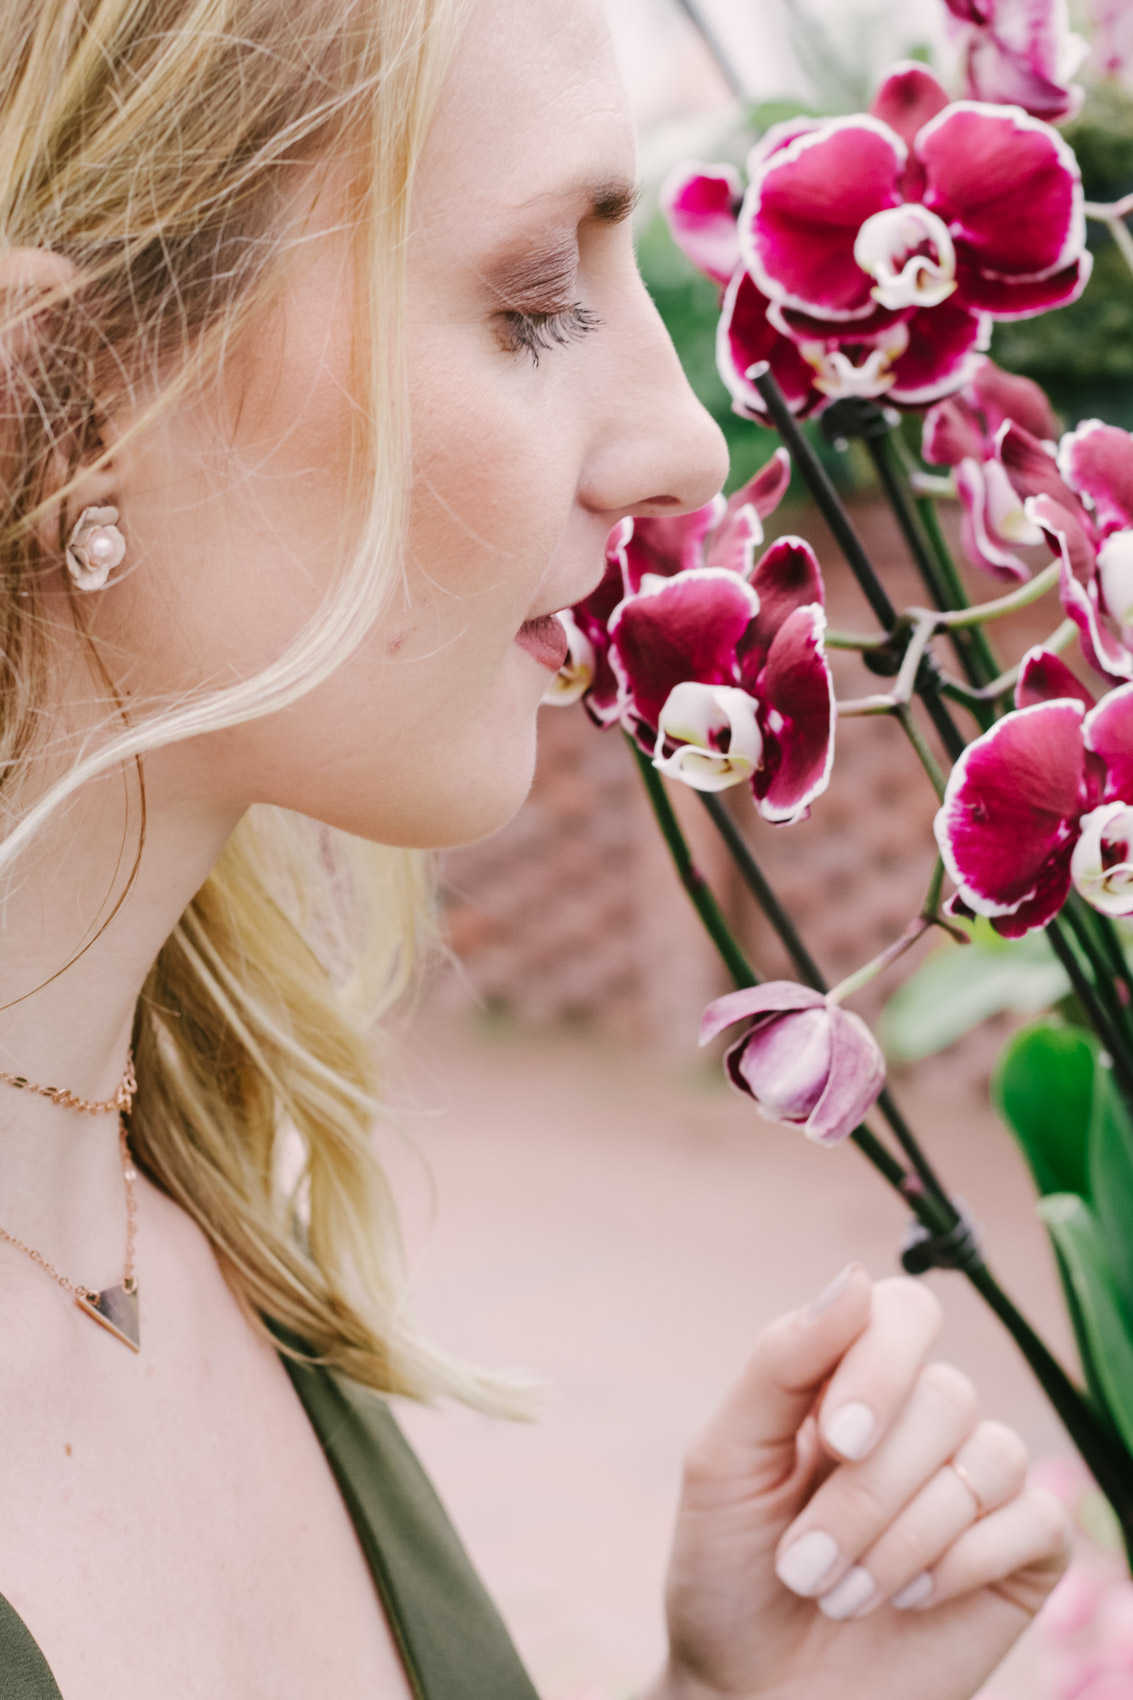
pixel 95 548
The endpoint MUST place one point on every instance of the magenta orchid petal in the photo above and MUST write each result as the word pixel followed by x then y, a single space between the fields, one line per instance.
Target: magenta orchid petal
pixel 1102 864
pixel 983 545
pixel 677 629
pixel 1008 187
pixel 997 73
pixel 1096 461
pixel 784 1064
pixel 953 432
pixel 771 998
pixel 1031 467
pixel 747 341
pixel 701 204
pixel 1023 298
pixel 1022 52
pixel 780 136
pixel 1073 547
pixel 857 1076
pixel 1009 820
pixel 664 547
pixel 998 395
pixel 798 719
pixel 591 617
pixel 1045 677
pixel 944 349
pixel 787 577
pixel 766 490
pixel 805 206
pixel 735 541
pixel 908 97
pixel 1108 732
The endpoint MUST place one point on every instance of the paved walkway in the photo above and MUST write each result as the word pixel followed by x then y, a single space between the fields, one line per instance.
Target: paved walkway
pixel 623 1224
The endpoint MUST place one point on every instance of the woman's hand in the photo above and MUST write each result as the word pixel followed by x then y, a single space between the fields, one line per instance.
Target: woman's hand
pixel 825 1547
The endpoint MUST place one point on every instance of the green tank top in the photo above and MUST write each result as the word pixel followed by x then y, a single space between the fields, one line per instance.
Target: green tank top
pixel 451 1638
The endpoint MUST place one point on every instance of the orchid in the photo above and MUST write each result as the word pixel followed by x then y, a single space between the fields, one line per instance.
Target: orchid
pixel 807 1062
pixel 964 433
pixel 1042 801
pixel 1021 52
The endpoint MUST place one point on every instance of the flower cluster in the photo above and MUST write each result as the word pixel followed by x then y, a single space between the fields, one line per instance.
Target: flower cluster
pixel 1042 801
pixel 712 659
pixel 870 255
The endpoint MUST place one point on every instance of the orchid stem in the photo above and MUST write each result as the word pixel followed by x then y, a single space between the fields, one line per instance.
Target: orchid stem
pixel 1087 996
pixel 1021 598
pixel 855 982
pixel 716 49
pixel 856 640
pixel 828 502
pixel 690 876
pixel 955 688
pixel 1113 216
pixel 916 737
pixel 981 646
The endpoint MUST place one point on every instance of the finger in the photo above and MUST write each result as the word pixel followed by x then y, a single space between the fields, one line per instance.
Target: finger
pixel 753 1434
pixel 994 1462
pixel 854 1507
pixel 874 1379
pixel 1019 1551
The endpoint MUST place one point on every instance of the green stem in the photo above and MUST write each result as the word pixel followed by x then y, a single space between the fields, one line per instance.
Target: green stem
pixel 1113 217
pixel 1058 640
pixel 1087 996
pixel 690 876
pixel 856 640
pixel 962 618
pixel 930 519
pixel 753 877
pixel 925 756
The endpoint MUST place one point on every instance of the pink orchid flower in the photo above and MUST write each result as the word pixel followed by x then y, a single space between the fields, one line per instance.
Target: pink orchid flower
pixel 807 1062
pixel 1113 37
pixel 963 432
pixel 724 678
pixel 1041 801
pixel 1021 53
pixel 921 201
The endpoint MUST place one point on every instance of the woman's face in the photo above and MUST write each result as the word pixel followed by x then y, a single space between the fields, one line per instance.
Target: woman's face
pixel 546 403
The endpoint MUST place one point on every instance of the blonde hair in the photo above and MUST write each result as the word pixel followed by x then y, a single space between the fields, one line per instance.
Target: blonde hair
pixel 152 143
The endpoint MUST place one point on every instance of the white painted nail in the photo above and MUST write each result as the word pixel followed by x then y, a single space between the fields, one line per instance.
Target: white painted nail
pixel 914 1593
pixel 807 1561
pixel 854 1592
pixel 850 1430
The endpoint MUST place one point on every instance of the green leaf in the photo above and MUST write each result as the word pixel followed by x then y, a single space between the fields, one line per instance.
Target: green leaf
pixel 1111 1177
pixel 959 986
pixel 1043 1088
pixel 1103 1337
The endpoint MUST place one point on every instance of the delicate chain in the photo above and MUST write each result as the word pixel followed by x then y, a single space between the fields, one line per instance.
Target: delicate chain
pixel 121 1102
pixel 129 1175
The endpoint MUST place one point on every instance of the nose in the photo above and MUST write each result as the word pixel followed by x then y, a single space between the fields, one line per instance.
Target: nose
pixel 656 449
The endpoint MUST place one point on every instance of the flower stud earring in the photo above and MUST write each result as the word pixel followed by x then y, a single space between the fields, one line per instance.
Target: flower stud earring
pixel 95 548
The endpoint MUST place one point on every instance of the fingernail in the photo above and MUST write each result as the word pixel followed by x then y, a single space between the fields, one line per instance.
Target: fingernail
pixel 832 1293
pixel 854 1592
pixel 807 1562
pixel 914 1593
pixel 850 1429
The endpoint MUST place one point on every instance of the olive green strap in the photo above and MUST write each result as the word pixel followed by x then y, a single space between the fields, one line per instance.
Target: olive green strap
pixel 452 1640
pixel 24 1672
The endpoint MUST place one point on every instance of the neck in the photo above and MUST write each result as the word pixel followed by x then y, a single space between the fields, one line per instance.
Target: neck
pixel 69 983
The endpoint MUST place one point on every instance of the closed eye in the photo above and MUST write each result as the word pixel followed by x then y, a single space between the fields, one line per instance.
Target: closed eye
pixel 537 333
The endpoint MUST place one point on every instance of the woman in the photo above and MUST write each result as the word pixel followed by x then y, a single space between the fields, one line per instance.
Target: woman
pixel 326 370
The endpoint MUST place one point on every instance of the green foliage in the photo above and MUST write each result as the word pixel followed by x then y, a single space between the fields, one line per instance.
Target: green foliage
pixel 1054 1088
pixel 959 986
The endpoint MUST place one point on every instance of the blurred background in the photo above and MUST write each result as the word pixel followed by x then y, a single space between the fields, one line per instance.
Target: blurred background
pixel 584 1196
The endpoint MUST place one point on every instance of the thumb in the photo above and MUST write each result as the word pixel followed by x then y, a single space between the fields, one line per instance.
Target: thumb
pixel 754 1432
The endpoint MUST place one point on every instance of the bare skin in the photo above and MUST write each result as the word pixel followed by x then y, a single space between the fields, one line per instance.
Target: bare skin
pixel 145 1538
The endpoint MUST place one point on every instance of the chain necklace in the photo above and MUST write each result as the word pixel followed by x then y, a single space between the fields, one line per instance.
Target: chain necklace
pixel 116 1308
pixel 121 1102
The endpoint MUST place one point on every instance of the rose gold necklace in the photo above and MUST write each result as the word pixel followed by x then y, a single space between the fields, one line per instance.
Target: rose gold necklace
pixel 116 1308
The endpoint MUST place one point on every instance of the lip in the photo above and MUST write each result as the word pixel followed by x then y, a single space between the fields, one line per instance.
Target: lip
pixel 545 639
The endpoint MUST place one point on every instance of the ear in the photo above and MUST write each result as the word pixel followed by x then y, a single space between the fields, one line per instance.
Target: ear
pixel 33 283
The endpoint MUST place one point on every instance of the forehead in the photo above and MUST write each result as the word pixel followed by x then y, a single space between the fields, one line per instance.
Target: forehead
pixel 533 114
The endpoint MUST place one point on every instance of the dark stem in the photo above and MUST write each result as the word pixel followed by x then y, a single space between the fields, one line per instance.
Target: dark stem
pixel 930 519
pixel 830 505
pixel 1079 918
pixel 719 54
pixel 1113 960
pixel 690 876
pixel 1088 998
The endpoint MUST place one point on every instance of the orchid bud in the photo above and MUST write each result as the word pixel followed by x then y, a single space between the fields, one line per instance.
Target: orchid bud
pixel 806 1061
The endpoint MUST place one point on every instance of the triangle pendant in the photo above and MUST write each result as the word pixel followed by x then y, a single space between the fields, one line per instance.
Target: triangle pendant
pixel 117 1311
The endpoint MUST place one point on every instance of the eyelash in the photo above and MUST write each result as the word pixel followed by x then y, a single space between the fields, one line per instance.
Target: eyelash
pixel 537 333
